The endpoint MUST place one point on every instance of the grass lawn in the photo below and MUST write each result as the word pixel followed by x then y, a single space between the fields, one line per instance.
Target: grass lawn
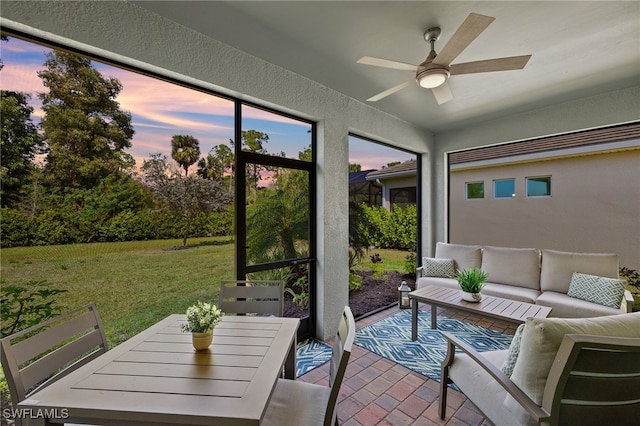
pixel 392 260
pixel 133 284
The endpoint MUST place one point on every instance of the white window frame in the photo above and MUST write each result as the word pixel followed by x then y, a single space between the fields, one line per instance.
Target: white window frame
pixel 466 190
pixel 526 186
pixel 512 196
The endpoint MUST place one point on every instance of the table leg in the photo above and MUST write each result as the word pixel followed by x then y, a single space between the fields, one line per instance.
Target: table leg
pixel 414 319
pixel 290 362
pixel 434 316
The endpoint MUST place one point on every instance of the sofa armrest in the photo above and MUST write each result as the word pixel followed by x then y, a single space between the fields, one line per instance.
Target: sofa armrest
pixel 537 412
pixel 419 272
pixel 627 302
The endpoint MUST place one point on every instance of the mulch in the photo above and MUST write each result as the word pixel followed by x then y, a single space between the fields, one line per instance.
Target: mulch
pixel 377 291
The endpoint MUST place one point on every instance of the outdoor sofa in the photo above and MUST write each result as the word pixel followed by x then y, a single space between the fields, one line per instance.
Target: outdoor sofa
pixel 574 285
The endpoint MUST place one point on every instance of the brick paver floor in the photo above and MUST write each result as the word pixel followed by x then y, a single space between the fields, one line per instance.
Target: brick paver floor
pixel 376 391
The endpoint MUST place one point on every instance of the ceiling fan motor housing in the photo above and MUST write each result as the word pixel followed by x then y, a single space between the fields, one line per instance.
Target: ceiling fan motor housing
pixel 430 75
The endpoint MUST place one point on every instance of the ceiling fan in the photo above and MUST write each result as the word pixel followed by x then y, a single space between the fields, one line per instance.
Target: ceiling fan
pixel 434 72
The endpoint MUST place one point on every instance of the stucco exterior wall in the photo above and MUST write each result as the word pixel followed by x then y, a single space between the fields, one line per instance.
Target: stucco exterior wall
pixel 594 206
pixel 124 32
pixel 389 184
pixel 600 110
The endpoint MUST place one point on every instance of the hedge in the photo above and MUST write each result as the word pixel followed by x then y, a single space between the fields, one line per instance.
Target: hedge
pixel 67 227
pixel 395 229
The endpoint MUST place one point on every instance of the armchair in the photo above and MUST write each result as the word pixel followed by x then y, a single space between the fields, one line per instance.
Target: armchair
pixel 571 371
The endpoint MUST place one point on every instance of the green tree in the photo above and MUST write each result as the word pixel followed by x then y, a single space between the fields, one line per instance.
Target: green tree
pixel 253 141
pixel 156 170
pixel 185 149
pixel 83 125
pixel 19 144
pixel 278 223
pixel 218 164
pixel 354 167
pixel 3 38
pixel 184 196
pixel 93 208
pixel 391 164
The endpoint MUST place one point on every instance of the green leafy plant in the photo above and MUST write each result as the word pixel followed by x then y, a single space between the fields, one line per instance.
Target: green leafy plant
pixel 471 280
pixel 382 228
pixel 631 275
pixel 410 263
pixel 355 281
pixel 202 317
pixel 24 306
pixel 633 285
pixel 302 297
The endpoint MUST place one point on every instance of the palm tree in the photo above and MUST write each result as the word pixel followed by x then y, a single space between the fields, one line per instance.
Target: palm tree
pixel 185 150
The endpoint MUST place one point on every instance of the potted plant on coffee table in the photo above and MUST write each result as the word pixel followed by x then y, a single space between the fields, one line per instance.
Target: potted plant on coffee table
pixel 201 320
pixel 471 282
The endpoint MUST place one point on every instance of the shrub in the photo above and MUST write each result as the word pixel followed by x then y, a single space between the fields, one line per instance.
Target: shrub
pixel 410 263
pixel 64 226
pixel 17 228
pixel 355 281
pixel 631 275
pixel 394 229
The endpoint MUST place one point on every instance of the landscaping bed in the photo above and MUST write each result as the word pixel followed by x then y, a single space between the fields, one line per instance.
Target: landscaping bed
pixel 378 290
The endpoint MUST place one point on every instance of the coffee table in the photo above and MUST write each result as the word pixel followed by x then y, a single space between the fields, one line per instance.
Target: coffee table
pixel 490 306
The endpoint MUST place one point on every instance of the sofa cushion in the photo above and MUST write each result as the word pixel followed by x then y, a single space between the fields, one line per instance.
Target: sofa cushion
pixel 442 282
pixel 558 268
pixel 521 294
pixel 464 257
pixel 436 267
pixel 592 288
pixel 564 306
pixel 512 266
pixel 484 391
pixel 541 339
pixel 514 351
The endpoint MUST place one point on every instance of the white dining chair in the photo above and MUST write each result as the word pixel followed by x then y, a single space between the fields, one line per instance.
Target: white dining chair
pixel 39 355
pixel 252 297
pixel 299 403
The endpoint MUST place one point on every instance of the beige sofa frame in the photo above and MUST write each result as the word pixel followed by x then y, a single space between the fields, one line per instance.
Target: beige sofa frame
pixel 531 275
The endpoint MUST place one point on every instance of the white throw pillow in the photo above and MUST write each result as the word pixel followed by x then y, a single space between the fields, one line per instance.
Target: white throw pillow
pixel 434 267
pixel 600 290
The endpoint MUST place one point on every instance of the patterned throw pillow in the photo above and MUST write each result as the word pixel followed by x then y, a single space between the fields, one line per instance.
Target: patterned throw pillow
pixel 434 267
pixel 600 290
pixel 514 351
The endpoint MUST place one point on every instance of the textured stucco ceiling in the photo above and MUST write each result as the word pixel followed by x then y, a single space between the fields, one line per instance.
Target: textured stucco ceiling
pixel 579 49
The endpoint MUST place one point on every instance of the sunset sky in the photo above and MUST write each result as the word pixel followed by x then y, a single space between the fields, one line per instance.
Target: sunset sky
pixel 160 110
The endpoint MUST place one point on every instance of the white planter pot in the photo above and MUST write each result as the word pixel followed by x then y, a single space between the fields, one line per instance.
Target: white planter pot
pixel 471 297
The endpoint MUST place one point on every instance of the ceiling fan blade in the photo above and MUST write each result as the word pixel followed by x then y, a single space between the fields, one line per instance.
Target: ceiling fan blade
pixel 385 63
pixel 490 65
pixel 388 92
pixel 442 93
pixel 471 28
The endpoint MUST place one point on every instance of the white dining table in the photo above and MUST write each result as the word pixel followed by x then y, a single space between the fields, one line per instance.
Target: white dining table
pixel 157 377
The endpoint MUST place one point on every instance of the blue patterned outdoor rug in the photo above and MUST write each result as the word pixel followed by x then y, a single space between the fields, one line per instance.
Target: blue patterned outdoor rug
pixel 311 354
pixel 391 338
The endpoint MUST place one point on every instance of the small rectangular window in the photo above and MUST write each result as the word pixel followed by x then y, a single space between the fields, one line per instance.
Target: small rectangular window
pixel 504 188
pixel 539 186
pixel 475 190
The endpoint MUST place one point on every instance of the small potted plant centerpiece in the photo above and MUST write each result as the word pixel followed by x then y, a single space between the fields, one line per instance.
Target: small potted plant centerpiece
pixel 471 282
pixel 201 319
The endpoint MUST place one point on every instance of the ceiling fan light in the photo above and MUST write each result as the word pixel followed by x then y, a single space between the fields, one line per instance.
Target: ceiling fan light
pixel 432 78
